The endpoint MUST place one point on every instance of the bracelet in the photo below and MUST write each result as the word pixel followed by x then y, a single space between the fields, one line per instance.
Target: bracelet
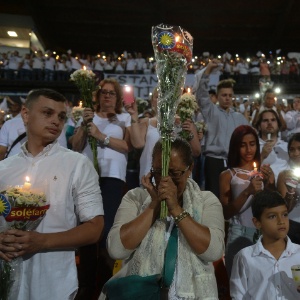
pixel 190 137
pixel 133 121
pixel 181 216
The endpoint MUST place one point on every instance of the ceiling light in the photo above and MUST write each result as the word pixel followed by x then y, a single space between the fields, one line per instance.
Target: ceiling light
pixel 12 33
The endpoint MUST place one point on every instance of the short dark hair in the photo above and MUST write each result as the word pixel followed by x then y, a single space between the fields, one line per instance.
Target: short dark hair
pixel 33 96
pixel 260 118
pixel 266 199
pixel 235 144
pixel 212 92
pixel 226 83
pixel 268 91
pixel 181 146
pixel 294 137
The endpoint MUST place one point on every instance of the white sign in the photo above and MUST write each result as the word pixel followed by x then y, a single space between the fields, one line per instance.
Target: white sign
pixel 144 84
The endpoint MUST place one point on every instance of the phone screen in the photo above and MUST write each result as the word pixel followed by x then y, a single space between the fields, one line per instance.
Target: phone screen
pixel 128 95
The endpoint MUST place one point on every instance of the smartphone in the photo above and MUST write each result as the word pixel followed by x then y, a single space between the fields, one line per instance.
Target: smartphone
pixel 128 95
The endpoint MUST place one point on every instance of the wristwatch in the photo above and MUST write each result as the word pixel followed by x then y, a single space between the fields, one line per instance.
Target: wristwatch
pixel 106 140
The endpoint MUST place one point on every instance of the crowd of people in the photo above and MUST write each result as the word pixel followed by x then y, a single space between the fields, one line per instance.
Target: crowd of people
pixel 51 66
pixel 230 191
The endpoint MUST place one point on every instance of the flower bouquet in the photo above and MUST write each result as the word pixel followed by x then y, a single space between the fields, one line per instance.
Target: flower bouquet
pixel 77 112
pixel 201 126
pixel 173 51
pixel 85 80
pixel 186 109
pixel 20 208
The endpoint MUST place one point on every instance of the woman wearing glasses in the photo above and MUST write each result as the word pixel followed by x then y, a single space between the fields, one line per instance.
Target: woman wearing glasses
pixel 110 127
pixel 140 238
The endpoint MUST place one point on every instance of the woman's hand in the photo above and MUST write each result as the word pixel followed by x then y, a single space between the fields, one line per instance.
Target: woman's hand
pixel 132 109
pixel 268 174
pixel 93 131
pixel 151 189
pixel 88 115
pixel 188 125
pixel 256 185
pixel 167 191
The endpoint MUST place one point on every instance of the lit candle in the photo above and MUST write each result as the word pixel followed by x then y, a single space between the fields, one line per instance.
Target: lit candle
pixel 27 183
pixel 268 136
pixel 189 90
pixel 80 104
pixel 84 67
pixel 254 166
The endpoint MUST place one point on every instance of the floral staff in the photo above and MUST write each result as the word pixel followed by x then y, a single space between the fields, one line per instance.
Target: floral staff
pixel 173 51
pixel 85 80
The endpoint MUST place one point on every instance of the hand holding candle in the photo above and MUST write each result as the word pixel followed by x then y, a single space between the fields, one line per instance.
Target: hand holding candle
pixel 27 184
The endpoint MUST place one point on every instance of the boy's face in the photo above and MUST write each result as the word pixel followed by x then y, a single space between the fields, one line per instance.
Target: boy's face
pixel 273 223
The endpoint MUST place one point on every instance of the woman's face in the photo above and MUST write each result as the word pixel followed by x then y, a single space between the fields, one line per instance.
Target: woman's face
pixel 108 97
pixel 177 170
pixel 294 152
pixel 248 148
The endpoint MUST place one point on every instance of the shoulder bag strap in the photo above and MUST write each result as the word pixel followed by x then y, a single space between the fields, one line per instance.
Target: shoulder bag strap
pixel 17 140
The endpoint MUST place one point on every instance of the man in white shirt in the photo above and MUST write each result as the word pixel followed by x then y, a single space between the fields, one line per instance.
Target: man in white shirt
pixel 273 150
pixel 292 118
pixel 48 266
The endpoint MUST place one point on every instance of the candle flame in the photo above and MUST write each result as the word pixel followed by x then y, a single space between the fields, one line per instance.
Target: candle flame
pixel 189 90
pixel 297 172
pixel 27 179
pixel 254 165
pixel 84 67
pixel 80 103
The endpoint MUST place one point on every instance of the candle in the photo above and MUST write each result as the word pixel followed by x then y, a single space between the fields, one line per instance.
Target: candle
pixel 254 166
pixel 27 183
pixel 268 136
pixel 189 90
pixel 84 67
pixel 80 104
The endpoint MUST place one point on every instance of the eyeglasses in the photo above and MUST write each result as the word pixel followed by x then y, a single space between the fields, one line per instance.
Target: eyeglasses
pixel 109 93
pixel 175 174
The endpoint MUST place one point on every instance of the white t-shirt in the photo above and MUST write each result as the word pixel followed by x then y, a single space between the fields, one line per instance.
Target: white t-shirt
pixel 111 162
pixel 9 133
pixel 73 192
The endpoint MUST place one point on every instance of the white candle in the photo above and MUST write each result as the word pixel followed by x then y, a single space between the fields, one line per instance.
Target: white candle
pixel 27 183
pixel 268 136
pixel 254 166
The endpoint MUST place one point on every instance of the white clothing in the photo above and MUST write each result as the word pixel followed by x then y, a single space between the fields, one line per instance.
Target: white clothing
pixel 37 63
pixel 278 158
pixel 242 68
pixel 73 192
pixel 130 64
pixel 292 119
pixel 10 130
pixel 111 162
pixel 75 64
pixel 98 64
pixel 152 136
pixel 15 127
pixel 238 185
pixel 140 63
pixel 14 62
pixel 195 274
pixel 26 64
pixel 50 63
pixel 257 275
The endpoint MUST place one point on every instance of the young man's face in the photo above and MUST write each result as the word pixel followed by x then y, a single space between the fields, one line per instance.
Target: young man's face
pixel 225 98
pixel 268 124
pixel 44 120
pixel 273 223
